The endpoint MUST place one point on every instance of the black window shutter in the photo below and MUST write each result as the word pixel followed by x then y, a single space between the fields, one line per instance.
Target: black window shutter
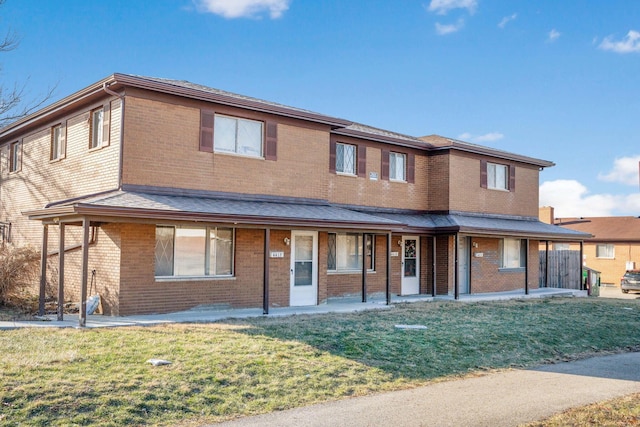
pixel 362 160
pixel 411 168
pixel 512 178
pixel 483 173
pixel 206 130
pixel 385 165
pixel 271 142
pixel 332 156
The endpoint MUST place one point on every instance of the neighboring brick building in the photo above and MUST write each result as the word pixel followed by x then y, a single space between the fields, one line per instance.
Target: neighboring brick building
pixel 166 195
pixel 613 248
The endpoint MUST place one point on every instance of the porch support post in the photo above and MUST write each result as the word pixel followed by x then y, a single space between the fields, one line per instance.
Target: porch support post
pixel 433 268
pixel 61 274
pixel 364 267
pixel 43 269
pixel 265 291
pixel 580 263
pixel 526 267
pixel 85 269
pixel 456 281
pixel 546 264
pixel 388 289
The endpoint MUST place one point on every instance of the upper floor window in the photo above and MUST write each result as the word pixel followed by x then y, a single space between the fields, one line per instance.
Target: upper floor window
pixel 605 251
pixel 239 136
pixel 15 156
pixel 346 158
pixel 497 176
pixel 513 253
pixel 345 252
pixel 397 166
pixel 97 128
pixel 100 126
pixel 57 142
pixel 193 251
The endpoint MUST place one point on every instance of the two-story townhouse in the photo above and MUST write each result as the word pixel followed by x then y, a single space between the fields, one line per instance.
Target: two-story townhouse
pixel 163 195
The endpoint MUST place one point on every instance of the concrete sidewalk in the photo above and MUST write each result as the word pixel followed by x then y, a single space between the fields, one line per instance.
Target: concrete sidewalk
pixel 213 314
pixel 507 398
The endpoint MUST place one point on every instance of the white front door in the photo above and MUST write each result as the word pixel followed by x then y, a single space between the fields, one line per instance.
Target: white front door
pixel 304 268
pixel 464 254
pixel 410 265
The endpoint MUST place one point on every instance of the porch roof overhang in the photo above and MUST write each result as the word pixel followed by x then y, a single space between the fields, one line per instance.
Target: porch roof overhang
pixel 121 206
pixel 485 225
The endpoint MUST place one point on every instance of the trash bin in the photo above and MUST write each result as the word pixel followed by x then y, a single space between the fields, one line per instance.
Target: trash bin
pixel 591 279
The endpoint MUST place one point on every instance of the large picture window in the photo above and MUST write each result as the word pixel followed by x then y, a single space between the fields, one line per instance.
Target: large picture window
pixel 346 159
pixel 239 136
pixel 513 253
pixel 193 251
pixel 345 252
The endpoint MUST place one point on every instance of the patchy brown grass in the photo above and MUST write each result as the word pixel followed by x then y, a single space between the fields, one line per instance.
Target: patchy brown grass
pixel 244 367
pixel 620 412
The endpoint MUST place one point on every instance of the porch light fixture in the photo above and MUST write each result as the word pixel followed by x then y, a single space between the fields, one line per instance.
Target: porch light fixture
pixel 287 241
pixel 400 243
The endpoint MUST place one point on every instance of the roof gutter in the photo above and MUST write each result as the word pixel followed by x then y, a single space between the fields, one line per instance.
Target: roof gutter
pixel 255 105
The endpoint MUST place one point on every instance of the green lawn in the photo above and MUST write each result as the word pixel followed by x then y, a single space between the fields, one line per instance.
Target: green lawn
pixel 242 367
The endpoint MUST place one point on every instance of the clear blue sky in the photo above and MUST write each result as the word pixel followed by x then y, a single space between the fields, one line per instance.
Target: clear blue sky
pixel 556 80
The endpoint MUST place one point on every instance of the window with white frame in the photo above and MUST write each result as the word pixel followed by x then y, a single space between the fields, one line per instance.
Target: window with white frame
pixel 97 128
pixel 193 251
pixel 345 252
pixel 239 136
pixel 15 156
pixel 561 246
pixel 497 176
pixel 513 253
pixel 346 158
pixel 606 251
pixel 57 143
pixel 397 166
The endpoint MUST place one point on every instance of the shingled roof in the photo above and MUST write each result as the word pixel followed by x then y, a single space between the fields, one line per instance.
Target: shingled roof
pixel 606 228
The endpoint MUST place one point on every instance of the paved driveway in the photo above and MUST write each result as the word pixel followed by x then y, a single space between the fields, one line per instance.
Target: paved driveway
pixel 507 398
pixel 615 292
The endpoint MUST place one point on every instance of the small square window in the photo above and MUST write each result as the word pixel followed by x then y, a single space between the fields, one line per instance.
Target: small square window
pixel 497 176
pixel 606 251
pixel 346 159
pixel 397 166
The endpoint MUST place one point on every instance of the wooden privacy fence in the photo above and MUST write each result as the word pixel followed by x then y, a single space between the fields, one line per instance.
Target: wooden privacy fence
pixel 565 269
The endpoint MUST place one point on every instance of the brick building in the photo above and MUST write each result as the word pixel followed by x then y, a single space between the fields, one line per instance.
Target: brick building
pixel 612 248
pixel 162 195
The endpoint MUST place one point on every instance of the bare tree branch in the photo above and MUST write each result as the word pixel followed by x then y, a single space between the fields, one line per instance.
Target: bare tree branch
pixel 13 102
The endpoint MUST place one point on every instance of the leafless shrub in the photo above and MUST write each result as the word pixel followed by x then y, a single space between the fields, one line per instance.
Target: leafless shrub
pixel 19 268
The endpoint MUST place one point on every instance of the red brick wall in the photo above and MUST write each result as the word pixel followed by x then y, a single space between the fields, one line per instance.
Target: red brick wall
pixel 350 283
pixel 486 274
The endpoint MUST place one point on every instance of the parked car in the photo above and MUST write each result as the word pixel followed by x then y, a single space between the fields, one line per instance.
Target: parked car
pixel 630 281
